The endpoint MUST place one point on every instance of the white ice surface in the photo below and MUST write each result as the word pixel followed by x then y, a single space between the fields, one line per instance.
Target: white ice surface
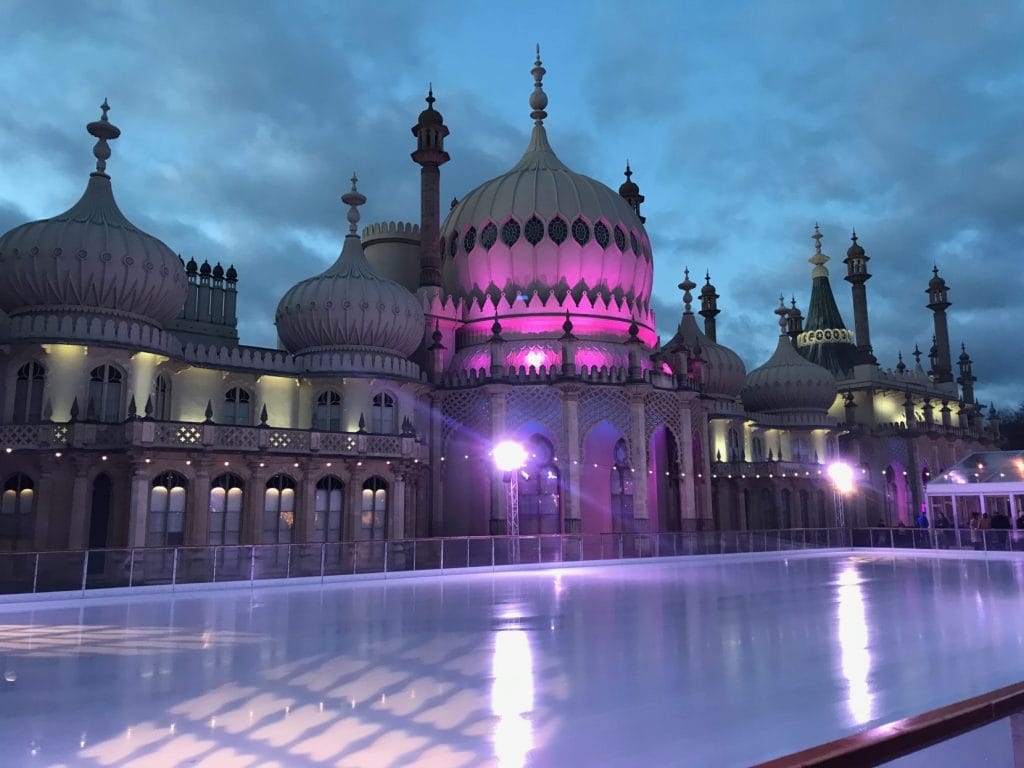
pixel 671 663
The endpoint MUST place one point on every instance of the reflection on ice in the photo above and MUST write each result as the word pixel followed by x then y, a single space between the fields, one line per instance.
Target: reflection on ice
pixel 855 658
pixel 512 697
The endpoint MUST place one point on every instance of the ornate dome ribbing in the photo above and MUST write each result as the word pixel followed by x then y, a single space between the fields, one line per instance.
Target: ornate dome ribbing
pixel 90 260
pixel 349 305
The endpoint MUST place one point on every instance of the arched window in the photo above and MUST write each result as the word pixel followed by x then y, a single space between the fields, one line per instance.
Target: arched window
pixel 622 490
pixel 757 444
pixel 800 449
pixel 327 415
pixel 734 444
pixel 226 495
pixel 161 398
pixel 279 510
pixel 28 393
pixel 105 383
pixel 329 505
pixel 540 498
pixel 383 419
pixel 166 525
pixel 16 518
pixel 374 508
pixel 236 407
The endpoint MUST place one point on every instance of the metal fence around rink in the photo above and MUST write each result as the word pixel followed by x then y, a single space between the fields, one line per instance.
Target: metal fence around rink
pixel 82 571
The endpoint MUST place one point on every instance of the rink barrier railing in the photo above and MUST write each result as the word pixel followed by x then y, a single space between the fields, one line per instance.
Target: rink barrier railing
pixel 85 570
pixel 912 734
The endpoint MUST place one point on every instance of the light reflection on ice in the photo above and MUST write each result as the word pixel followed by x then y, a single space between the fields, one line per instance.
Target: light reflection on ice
pixel 855 658
pixel 512 697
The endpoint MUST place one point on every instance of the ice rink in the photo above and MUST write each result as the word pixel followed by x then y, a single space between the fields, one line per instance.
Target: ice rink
pixel 704 662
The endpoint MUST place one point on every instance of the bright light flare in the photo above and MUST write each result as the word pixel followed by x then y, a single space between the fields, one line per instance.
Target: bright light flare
pixel 842 476
pixel 509 456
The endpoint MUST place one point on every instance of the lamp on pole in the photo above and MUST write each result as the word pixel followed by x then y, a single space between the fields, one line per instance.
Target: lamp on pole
pixel 509 458
pixel 841 475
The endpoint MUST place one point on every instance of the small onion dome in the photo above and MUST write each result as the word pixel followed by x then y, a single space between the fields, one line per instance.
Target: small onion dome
pixel 231 274
pixel 90 259
pixel 204 270
pixel 723 370
pixel 936 282
pixel 430 116
pixel 349 305
pixel 855 251
pixel 218 272
pixel 191 268
pixel 629 188
pixel 708 289
pixel 788 381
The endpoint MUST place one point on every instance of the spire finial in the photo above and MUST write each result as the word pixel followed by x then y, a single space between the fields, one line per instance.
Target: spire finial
pixel 707 277
pixel 353 200
pixel 819 259
pixel 853 236
pixel 783 314
pixel 430 96
pixel 538 99
pixel 629 171
pixel 686 286
pixel 104 131
pixel 935 270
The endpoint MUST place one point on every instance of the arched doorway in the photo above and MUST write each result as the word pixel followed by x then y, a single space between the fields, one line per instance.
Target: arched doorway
pixel 605 494
pixel 663 479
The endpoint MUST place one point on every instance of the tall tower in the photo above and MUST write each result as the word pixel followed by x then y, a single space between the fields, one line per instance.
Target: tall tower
pixel 857 275
pixel 709 307
pixel 430 131
pixel 938 303
pixel 967 378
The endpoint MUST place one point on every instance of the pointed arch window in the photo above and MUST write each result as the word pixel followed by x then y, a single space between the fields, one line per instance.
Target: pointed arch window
pixel 510 232
pixel 327 416
pixel 227 493
pixel 162 398
pixel 733 439
pixel 166 519
pixel 453 245
pixel 17 513
pixel 534 230
pixel 580 232
pixel 558 230
pixel 489 235
pixel 105 391
pixel 469 239
pixel 28 393
pixel 622 490
pixel 374 508
pixel 329 508
pixel 800 449
pixel 601 234
pixel 236 407
pixel 620 238
pixel 383 416
pixel 633 242
pixel 278 510
pixel 757 445
pixel 540 497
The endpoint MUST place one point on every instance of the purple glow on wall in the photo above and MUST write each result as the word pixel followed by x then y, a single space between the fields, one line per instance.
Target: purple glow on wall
pixel 535 359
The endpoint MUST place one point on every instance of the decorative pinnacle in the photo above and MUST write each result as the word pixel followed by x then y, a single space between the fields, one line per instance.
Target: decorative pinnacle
pixel 430 96
pixel 567 327
pixel 353 200
pixel 538 99
pixel 629 171
pixel 819 259
pixel 917 355
pixel 686 286
pixel 783 314
pixel 104 131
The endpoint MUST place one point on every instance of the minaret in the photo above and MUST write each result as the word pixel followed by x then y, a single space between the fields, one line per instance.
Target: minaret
pixel 630 192
pixel 857 275
pixel 966 379
pixel 795 323
pixel 430 131
pixel 938 302
pixel 708 302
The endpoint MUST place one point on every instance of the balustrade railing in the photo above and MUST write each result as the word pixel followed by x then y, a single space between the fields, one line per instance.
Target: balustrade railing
pixel 84 570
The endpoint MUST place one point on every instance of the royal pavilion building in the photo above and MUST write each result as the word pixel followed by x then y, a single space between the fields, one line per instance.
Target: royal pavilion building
pixel 132 416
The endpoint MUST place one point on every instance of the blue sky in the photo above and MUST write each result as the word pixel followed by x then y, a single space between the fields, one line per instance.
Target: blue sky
pixel 745 123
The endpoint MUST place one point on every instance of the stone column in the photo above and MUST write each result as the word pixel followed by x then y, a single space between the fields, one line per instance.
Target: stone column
pixel 435 513
pixel 688 484
pixel 396 505
pixel 138 505
pixel 638 461
pixel 197 522
pixel 255 494
pixel 570 458
pixel 351 525
pixel 81 503
pixel 498 500
pixel 305 505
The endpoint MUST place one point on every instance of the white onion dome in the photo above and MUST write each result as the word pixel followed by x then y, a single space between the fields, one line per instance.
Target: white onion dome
pixel 349 305
pixel 788 382
pixel 90 260
pixel 722 371
pixel 542 227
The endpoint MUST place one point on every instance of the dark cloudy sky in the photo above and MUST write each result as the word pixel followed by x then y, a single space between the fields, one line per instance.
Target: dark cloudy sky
pixel 745 123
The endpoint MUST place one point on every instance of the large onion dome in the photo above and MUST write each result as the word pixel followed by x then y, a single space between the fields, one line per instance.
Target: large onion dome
pixel 90 260
pixel 722 371
pixel 349 306
pixel 788 382
pixel 543 228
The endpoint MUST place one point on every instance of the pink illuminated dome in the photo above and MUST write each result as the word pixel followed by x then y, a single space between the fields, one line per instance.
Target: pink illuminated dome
pixel 90 261
pixel 542 231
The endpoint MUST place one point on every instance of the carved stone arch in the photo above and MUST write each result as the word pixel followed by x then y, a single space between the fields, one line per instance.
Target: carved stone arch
pixel 662 409
pixel 539 404
pixel 602 404
pixel 467 410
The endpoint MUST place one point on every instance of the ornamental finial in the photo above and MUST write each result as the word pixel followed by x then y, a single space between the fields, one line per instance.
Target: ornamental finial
pixel 104 131
pixel 783 314
pixel 686 286
pixel 538 99
pixel 353 200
